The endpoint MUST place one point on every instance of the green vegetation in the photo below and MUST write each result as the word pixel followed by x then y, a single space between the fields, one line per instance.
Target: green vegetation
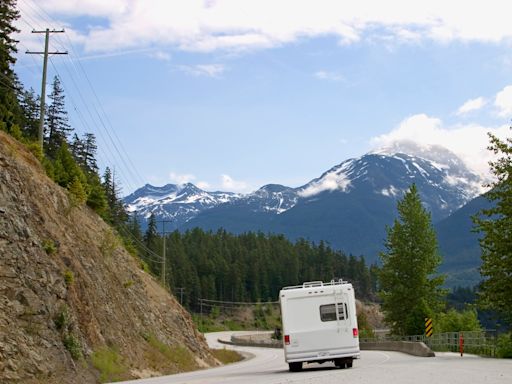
pixel 180 358
pixel 49 246
pixel 496 226
pixel 238 318
pixel 69 278
pixel 456 321
pixel 73 345
pixel 504 347
pixel 62 318
pixel 250 267
pixel 109 243
pixel 226 356
pixel 109 363
pixel 409 290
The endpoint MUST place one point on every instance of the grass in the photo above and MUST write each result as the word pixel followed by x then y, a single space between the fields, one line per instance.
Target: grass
pixel 226 356
pixel 109 363
pixel 180 358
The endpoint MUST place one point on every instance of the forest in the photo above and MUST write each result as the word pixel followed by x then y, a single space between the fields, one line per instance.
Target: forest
pixel 250 267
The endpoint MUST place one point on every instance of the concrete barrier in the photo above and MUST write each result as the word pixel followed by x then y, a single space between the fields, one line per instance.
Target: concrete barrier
pixel 416 348
pixel 264 339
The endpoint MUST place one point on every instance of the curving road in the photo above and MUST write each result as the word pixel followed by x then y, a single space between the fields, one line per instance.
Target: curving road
pixel 267 366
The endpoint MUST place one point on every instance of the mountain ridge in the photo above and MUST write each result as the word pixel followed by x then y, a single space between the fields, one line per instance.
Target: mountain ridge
pixel 350 204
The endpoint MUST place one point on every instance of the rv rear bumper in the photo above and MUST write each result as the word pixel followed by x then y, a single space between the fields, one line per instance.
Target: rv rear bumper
pixel 292 357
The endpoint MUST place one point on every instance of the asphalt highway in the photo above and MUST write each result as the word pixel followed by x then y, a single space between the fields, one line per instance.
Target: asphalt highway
pixel 267 366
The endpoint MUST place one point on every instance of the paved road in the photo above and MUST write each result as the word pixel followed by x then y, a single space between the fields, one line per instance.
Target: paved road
pixel 267 366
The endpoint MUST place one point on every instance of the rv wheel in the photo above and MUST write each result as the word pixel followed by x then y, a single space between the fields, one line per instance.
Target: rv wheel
pixel 349 363
pixel 340 363
pixel 295 367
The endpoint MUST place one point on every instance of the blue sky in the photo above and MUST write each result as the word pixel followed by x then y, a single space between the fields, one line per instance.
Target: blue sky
pixel 232 95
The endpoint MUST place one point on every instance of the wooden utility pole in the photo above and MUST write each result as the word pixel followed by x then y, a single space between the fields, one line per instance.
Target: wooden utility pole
pixel 43 83
pixel 163 252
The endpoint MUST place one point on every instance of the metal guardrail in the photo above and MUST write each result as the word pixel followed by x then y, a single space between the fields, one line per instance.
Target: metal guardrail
pixel 474 342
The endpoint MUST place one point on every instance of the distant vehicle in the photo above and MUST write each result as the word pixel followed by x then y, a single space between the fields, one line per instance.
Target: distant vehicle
pixel 319 324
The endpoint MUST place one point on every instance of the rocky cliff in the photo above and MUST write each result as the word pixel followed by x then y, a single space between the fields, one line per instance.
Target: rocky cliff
pixel 75 306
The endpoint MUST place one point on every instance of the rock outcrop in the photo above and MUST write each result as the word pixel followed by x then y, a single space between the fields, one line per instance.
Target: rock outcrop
pixel 69 289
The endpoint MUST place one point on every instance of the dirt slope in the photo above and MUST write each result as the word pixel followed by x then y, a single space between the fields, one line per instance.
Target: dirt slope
pixel 67 288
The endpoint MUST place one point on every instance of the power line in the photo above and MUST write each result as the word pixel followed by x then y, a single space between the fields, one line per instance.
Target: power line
pixel 115 141
pixel 239 302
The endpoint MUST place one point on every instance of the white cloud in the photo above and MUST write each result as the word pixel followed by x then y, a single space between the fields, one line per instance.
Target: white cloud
pixel 203 185
pixel 185 178
pixel 326 75
pixel 161 55
pixel 471 105
pixel 329 182
pixel 503 102
pixel 231 185
pixel 469 141
pixel 209 70
pixel 247 24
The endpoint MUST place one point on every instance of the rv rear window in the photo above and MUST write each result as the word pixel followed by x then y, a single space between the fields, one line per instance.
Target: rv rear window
pixel 328 312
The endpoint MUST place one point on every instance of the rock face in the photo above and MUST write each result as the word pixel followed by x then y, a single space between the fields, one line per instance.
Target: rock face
pixel 69 289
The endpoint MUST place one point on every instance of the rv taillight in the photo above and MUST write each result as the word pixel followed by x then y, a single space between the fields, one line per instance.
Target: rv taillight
pixel 355 332
pixel 287 339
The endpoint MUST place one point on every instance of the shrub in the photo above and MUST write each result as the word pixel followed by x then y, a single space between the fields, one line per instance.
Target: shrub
pixel 454 321
pixel 62 318
pixel 73 346
pixel 504 347
pixel 49 246
pixel 69 277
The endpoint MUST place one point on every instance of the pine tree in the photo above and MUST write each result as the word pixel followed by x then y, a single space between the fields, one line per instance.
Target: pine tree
pixel 496 225
pixel 57 124
pixel 409 290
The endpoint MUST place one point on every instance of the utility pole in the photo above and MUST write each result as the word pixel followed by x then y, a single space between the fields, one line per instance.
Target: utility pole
pixel 163 252
pixel 43 83
pixel 181 289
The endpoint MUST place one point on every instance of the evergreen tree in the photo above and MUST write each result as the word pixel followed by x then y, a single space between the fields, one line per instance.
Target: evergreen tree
pixel 152 242
pixel 29 103
pixel 409 290
pixel 77 190
pixel 57 124
pixel 77 149
pixel 9 108
pixel 112 190
pixel 89 148
pixel 496 225
pixel 96 198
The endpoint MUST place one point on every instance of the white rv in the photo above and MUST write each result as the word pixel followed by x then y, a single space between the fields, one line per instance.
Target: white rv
pixel 319 324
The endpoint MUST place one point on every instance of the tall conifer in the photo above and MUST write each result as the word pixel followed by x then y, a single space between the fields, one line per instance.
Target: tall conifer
pixel 410 290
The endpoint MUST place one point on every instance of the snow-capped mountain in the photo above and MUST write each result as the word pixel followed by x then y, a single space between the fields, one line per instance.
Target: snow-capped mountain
pixel 177 203
pixel 444 182
pixel 348 206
